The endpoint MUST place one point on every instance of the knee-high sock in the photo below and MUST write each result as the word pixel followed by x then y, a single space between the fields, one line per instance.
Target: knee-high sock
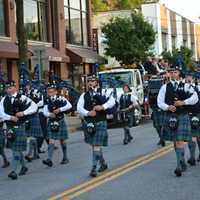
pixel 2 153
pixel 126 133
pixel 22 160
pixel 50 151
pixel 15 160
pixel 198 143
pixel 102 160
pixel 192 148
pixel 179 156
pixel 96 157
pixel 35 152
pixel 31 142
pixel 64 150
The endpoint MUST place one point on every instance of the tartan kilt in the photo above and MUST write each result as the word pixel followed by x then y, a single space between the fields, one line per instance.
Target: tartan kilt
pixel 62 134
pixel 20 142
pixel 183 132
pixel 157 117
pixel 100 138
pixel 2 139
pixel 195 132
pixel 35 127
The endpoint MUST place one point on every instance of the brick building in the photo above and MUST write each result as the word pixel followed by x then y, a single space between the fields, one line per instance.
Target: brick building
pixel 59 38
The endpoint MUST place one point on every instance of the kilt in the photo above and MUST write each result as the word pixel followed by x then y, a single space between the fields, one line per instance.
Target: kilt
pixel 183 132
pixel 2 139
pixel 157 117
pixel 196 132
pixel 20 142
pixel 35 127
pixel 62 134
pixel 100 138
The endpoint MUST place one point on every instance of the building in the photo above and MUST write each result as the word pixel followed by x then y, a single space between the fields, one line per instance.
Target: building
pixel 172 30
pixel 59 38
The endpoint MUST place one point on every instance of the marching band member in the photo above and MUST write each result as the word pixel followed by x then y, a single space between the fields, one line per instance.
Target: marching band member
pixel 92 107
pixel 54 110
pixel 174 98
pixel 16 108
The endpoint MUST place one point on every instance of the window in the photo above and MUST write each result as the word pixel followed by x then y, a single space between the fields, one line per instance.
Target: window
pixel 76 22
pixel 35 16
pixel 2 18
pixel 173 42
pixel 164 41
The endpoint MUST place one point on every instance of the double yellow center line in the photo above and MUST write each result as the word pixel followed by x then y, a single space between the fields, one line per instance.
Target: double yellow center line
pixel 111 175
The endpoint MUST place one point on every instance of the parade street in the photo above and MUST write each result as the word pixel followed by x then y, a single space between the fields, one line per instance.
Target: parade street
pixel 140 171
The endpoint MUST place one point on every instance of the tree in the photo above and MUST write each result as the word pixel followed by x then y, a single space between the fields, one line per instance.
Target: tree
pixel 106 5
pixel 173 55
pixel 128 39
pixel 21 33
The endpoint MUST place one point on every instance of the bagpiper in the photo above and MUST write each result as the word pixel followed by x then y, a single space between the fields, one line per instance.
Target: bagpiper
pixel 195 121
pixel 16 108
pixel 2 135
pixel 92 106
pixel 54 109
pixel 127 104
pixel 33 126
pixel 174 98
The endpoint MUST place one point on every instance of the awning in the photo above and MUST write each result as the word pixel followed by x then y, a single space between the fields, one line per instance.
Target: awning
pixel 52 54
pixel 8 50
pixel 84 55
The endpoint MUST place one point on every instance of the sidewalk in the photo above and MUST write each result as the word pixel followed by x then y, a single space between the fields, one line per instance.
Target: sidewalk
pixel 74 123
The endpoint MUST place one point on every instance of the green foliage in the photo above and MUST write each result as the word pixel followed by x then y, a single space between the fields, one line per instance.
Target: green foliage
pixel 105 5
pixel 172 56
pixel 128 39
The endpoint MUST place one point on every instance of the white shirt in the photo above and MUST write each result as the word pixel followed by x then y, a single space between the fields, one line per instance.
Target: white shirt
pixel 84 113
pixel 68 106
pixel 134 99
pixel 190 101
pixel 30 110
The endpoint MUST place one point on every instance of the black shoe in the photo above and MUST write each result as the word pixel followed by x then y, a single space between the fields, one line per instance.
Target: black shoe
pixel 183 166
pixel 48 162
pixel 64 162
pixel 192 162
pixel 28 158
pixel 5 165
pixel 163 143
pixel 103 167
pixel 93 173
pixel 130 137
pixel 12 175
pixel 125 142
pixel 23 171
pixel 178 172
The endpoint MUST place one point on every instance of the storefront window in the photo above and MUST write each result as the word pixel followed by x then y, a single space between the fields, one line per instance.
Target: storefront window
pixel 76 22
pixel 2 18
pixel 35 19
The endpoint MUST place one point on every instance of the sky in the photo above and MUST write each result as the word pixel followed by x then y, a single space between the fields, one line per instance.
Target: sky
pixel 187 8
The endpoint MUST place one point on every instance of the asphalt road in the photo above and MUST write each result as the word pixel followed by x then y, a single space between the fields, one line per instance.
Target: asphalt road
pixel 140 171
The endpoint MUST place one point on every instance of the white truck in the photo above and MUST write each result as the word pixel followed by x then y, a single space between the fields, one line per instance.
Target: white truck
pixel 120 76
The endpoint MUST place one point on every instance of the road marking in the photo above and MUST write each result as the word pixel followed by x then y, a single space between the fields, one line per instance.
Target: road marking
pixel 110 175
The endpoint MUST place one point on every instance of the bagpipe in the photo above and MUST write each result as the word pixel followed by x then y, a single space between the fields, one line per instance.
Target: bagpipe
pixel 53 104
pixel 56 103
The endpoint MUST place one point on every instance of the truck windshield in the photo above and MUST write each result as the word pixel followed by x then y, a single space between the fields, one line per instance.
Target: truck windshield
pixel 115 79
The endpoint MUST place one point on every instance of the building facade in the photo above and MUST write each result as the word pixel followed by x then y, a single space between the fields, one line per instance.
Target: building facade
pixel 59 38
pixel 173 30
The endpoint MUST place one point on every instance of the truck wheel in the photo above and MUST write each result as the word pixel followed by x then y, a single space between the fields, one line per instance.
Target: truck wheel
pixel 137 116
